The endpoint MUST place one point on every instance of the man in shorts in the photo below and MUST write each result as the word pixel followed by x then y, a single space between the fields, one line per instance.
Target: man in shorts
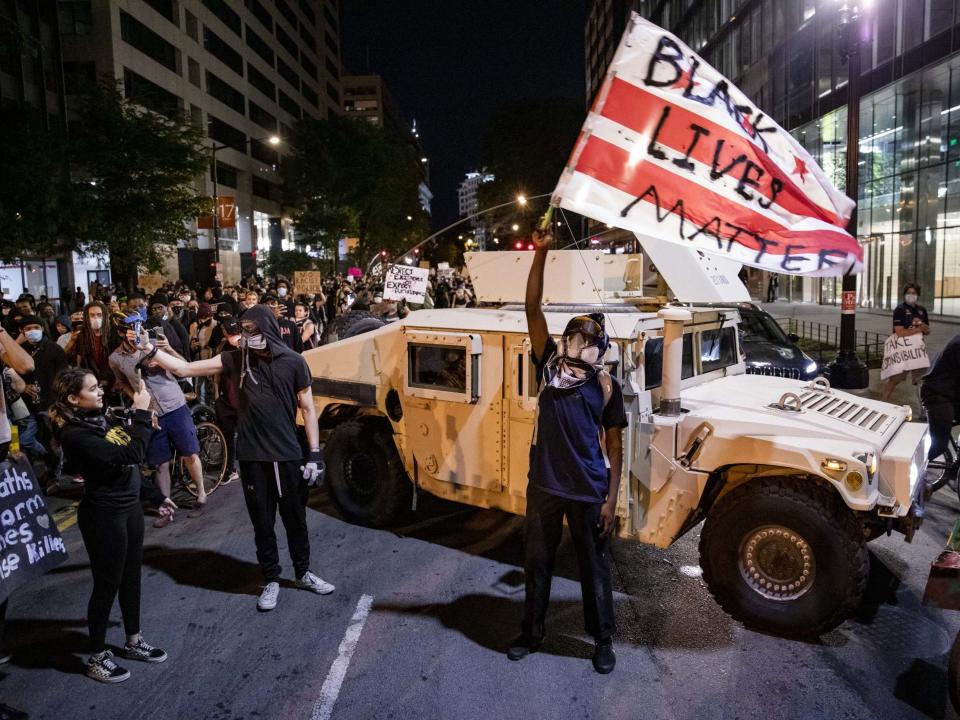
pixel 176 426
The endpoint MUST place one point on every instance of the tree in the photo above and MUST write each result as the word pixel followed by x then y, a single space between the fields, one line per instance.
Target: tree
pixel 346 177
pixel 525 146
pixel 286 262
pixel 132 171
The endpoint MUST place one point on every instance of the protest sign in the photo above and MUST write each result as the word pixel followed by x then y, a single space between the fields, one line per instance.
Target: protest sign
pixel 673 149
pixel 354 272
pixel 30 543
pixel 405 281
pixel 309 282
pixel 902 354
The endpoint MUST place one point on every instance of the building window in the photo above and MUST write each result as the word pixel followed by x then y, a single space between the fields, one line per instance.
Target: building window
pixel 332 68
pixel 259 46
pixel 226 175
pixel 331 20
pixel 150 95
pixel 78 77
pixel 333 93
pixel 225 93
pixel 261 82
pixel 307 36
pixel 307 11
pixel 332 44
pixel 221 50
pixel 309 66
pixel 137 35
pixel 261 14
pixel 192 26
pixel 287 42
pixel 264 153
pixel 226 134
pixel 76 17
pixel 165 8
pixel 193 72
pixel 261 117
pixel 310 95
pixel 227 15
pixel 288 104
pixel 288 73
pixel 287 12
pixel 265 189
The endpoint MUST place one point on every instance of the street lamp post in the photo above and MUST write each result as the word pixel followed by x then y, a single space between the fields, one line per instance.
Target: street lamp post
pixel 214 149
pixel 847 370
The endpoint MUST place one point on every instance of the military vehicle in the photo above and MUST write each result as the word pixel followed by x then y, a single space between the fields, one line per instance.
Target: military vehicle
pixel 790 478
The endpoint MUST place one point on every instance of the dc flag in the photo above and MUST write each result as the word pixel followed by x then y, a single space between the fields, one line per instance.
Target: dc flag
pixel 672 149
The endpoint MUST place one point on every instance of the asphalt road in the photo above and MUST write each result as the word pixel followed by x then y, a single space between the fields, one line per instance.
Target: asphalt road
pixel 421 617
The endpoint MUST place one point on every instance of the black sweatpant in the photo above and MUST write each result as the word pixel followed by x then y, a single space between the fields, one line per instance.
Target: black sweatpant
pixel 227 420
pixel 544 527
pixel 941 416
pixel 114 542
pixel 267 487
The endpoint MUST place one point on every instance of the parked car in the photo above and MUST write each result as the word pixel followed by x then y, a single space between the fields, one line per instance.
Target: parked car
pixel 768 349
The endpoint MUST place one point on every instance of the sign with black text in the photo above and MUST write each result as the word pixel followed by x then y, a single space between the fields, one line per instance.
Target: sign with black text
pixel 673 149
pixel 30 543
pixel 405 281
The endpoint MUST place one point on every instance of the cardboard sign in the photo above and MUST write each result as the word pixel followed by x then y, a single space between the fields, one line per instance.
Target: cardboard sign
pixel 902 354
pixel 309 282
pixel 355 272
pixel 30 543
pixel 405 281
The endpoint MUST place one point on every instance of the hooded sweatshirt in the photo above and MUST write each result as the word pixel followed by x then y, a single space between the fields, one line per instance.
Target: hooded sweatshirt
pixel 267 420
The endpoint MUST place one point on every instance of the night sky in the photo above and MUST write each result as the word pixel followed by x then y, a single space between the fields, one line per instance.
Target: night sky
pixel 451 64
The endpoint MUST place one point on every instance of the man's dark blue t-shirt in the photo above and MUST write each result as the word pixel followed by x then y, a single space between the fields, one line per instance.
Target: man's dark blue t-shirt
pixel 567 459
pixel 904 315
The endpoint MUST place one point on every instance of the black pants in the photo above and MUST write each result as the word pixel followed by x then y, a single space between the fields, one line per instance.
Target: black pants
pixel 941 415
pixel 227 420
pixel 268 487
pixel 114 542
pixel 3 617
pixel 544 528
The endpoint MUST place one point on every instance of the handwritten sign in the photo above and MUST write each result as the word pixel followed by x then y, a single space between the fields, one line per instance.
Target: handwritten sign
pixel 354 272
pixel 405 281
pixel 309 282
pixel 673 149
pixel 30 544
pixel 902 354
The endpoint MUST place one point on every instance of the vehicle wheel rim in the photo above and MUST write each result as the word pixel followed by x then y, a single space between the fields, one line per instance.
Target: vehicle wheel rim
pixel 360 473
pixel 777 562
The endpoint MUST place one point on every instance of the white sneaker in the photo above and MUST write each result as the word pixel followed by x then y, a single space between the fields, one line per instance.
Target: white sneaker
pixel 268 598
pixel 311 582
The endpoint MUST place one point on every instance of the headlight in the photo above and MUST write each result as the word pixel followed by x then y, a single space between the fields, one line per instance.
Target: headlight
pixel 811 367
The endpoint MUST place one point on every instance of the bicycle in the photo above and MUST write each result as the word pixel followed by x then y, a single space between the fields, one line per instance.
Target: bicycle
pixel 945 469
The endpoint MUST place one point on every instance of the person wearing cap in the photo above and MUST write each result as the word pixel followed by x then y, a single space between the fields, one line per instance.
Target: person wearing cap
pixel 573 475
pixel 131 363
pixel 160 319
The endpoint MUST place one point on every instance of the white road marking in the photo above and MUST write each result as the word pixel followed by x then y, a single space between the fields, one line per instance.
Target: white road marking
pixel 338 671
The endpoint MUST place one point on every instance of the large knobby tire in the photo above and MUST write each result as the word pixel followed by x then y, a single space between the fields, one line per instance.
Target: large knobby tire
pixel 359 327
pixel 365 474
pixel 784 555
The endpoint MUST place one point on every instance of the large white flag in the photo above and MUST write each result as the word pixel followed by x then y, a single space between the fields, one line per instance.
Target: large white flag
pixel 672 149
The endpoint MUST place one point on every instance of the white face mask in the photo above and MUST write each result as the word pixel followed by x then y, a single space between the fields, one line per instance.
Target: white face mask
pixel 96 323
pixel 910 298
pixel 34 336
pixel 282 292
pixel 254 342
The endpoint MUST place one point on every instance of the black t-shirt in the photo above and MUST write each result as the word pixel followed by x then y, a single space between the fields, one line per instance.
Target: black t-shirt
pixel 290 334
pixel 267 421
pixel 567 459
pixel 904 315
pixel 942 381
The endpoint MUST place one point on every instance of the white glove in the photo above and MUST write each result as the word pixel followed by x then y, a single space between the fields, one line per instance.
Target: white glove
pixel 313 469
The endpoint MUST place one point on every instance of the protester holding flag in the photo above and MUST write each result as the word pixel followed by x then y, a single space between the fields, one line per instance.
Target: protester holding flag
pixel 110 517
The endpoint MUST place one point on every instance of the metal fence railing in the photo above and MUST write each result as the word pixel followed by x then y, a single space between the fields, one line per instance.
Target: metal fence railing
pixel 869 345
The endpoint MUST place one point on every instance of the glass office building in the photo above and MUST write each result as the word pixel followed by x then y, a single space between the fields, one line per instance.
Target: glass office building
pixel 787 55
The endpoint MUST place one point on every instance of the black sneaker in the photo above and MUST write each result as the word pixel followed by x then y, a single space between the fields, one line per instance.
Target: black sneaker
pixel 143 651
pixel 604 658
pixel 523 645
pixel 103 669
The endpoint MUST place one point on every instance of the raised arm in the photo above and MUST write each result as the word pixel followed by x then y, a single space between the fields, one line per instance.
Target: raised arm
pixel 14 355
pixel 536 321
pixel 180 367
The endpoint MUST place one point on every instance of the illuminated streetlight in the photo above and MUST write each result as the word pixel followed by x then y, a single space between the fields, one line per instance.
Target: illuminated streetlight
pixel 459 237
pixel 522 199
pixel 515 227
pixel 274 140
pixel 409 217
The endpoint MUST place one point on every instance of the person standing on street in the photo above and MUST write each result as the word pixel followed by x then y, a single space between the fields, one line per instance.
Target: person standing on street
pixel 274 383
pixel 909 318
pixel 571 475
pixel 109 515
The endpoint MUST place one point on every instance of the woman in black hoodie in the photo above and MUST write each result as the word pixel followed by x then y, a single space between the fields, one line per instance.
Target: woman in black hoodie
pixel 110 517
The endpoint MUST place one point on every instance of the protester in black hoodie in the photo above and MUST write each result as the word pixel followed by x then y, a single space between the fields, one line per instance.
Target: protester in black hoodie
pixel 274 382
pixel 109 515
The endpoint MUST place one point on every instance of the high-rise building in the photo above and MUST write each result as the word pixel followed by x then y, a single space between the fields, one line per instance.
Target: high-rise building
pixel 244 72
pixel 788 56
pixel 469 205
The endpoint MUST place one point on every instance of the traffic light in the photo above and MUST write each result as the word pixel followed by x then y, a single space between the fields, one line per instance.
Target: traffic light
pixel 416 251
pixel 518 245
pixel 383 253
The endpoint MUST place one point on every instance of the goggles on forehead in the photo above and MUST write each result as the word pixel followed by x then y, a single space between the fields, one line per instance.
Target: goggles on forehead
pixel 585 325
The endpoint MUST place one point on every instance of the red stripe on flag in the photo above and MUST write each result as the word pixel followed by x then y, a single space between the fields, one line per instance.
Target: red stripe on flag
pixel 609 164
pixel 637 109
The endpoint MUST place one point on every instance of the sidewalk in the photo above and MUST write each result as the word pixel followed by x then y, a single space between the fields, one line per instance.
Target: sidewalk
pixel 942 329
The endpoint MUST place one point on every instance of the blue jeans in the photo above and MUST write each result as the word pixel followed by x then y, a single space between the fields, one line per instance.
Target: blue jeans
pixel 29 442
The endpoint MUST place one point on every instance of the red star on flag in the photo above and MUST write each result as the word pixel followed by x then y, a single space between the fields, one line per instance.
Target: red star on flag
pixel 745 124
pixel 684 80
pixel 799 168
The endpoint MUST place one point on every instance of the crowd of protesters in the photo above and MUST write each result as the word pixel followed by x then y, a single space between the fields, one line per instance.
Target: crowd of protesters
pixel 66 360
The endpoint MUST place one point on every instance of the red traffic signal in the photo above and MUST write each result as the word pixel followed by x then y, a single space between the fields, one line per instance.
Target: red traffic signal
pixel 518 245
pixel 383 253
pixel 530 246
pixel 416 251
